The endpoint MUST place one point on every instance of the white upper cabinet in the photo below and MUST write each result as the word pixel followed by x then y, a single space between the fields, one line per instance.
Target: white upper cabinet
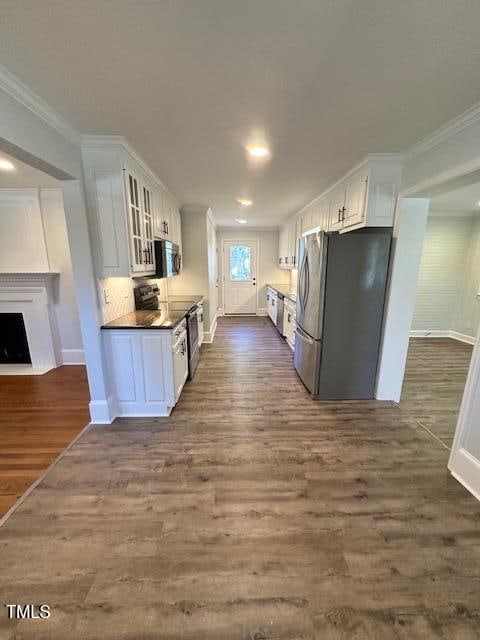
pixel 125 206
pixel 336 204
pixel 366 197
pixel 140 222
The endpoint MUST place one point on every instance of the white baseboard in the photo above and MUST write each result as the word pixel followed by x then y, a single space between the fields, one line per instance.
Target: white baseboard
pixel 73 356
pixel 220 312
pixel 467 470
pixel 262 311
pixel 434 333
pixel 462 337
pixel 209 335
pixel 103 411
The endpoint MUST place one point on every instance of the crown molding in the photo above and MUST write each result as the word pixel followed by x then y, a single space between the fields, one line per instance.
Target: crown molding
pixel 89 141
pixel 465 119
pixel 20 92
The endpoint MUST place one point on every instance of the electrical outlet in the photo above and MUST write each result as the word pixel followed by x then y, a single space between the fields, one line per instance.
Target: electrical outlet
pixel 106 296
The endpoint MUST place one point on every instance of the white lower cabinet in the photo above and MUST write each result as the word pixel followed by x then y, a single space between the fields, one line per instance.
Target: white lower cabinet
pixel 272 305
pixel 289 323
pixel 147 369
pixel 180 360
pixel 201 325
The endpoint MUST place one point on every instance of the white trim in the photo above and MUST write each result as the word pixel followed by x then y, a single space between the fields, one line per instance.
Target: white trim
pixel 120 142
pixel 262 311
pixel 467 470
pixel 465 119
pixel 220 312
pixel 421 189
pixel 35 484
pixel 435 333
pixel 103 411
pixel 427 333
pixel 73 356
pixel 462 337
pixel 20 92
pixel 208 336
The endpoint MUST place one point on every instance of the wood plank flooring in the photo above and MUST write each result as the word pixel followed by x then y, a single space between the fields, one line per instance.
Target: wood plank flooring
pixel 39 417
pixel 251 513
pixel 434 383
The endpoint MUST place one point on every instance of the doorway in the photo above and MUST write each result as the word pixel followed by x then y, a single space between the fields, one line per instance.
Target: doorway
pixel 240 276
pixel 446 314
pixel 44 393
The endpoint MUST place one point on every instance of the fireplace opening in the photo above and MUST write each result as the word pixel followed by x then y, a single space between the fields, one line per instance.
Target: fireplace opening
pixel 13 339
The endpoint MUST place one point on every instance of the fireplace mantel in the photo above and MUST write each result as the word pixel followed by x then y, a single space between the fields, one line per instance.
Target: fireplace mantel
pixel 31 293
pixel 28 277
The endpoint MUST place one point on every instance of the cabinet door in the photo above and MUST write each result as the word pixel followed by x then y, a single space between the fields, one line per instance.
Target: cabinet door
pixel 147 212
pixel 323 213
pixel 282 247
pixel 295 233
pixel 355 197
pixel 167 218
pixel 158 204
pixel 180 365
pixel 337 203
pixel 135 222
pixel 176 235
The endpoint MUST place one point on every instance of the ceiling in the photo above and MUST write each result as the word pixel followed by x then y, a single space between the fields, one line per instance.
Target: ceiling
pixel 190 82
pixel 466 199
pixel 24 176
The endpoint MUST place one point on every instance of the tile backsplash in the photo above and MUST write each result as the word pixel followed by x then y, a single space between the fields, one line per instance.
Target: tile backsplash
pixel 116 295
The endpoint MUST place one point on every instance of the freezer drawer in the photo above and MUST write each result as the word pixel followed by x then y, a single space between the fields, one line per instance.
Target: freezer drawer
pixel 307 358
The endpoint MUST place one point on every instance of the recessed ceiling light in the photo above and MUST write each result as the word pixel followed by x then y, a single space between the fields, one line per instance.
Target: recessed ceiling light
pixel 245 202
pixel 257 150
pixel 241 220
pixel 6 165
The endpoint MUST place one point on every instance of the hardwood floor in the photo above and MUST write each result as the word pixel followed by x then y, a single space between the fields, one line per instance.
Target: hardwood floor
pixel 252 513
pixel 40 416
pixel 434 383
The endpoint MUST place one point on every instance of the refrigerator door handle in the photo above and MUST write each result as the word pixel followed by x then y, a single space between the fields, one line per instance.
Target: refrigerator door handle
pixel 301 288
pixel 307 281
pixel 304 336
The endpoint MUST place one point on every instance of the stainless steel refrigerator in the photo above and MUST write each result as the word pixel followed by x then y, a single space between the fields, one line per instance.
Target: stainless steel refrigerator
pixel 340 300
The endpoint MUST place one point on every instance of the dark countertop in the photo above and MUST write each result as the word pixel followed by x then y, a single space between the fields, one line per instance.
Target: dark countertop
pixel 167 316
pixel 284 289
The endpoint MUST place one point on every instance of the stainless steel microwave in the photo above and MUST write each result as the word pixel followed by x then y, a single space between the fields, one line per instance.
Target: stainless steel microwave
pixel 168 260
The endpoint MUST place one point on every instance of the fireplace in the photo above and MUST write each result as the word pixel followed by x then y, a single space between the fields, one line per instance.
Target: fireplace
pixel 13 339
pixel 28 331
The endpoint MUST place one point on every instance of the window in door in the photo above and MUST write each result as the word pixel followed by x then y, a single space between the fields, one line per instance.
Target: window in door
pixel 240 263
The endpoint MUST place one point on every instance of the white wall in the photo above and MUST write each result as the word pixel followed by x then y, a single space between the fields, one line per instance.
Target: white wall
pixel 195 276
pixel 268 270
pixel 442 267
pixel 212 275
pixel 467 318
pixel 68 322
pixel 449 277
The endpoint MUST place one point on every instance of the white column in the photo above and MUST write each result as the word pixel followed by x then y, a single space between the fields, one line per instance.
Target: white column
pixel 408 236
pixel 87 300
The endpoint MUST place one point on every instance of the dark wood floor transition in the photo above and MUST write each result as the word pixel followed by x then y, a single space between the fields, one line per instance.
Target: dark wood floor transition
pixel 251 513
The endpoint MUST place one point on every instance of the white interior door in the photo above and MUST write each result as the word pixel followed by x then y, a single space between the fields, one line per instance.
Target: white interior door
pixel 239 276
